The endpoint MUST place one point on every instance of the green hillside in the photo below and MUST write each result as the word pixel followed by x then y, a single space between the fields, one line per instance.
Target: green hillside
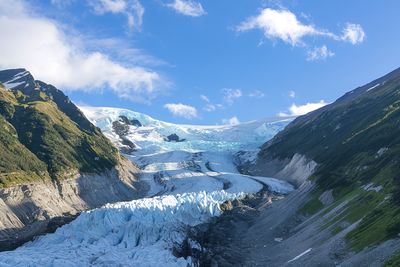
pixel 45 135
pixel 356 143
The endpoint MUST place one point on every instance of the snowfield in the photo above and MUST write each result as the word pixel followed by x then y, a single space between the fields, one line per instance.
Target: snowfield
pixel 188 181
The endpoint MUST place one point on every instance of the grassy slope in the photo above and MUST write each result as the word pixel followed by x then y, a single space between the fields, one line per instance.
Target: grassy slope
pixel 45 135
pixel 394 261
pixel 344 138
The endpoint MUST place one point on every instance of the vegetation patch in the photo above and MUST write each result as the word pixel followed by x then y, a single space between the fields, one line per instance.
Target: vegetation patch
pixel 43 135
pixel 312 206
pixel 378 225
pixel 393 261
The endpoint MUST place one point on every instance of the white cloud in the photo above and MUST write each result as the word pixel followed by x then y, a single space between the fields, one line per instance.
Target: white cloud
pixel 296 110
pixel 205 98
pixel 187 8
pixel 104 6
pixel 292 94
pixel 230 95
pixel 232 121
pixel 209 106
pixel 281 24
pixel 182 110
pixel 132 9
pixel 39 45
pixel 122 50
pixel 256 94
pixel 319 53
pixel 353 33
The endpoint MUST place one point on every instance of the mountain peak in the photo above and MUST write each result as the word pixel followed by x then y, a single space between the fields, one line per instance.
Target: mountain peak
pixel 16 79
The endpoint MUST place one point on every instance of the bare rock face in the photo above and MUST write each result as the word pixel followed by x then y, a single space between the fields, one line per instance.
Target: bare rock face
pixel 31 209
pixel 128 146
pixel 174 138
pixel 121 128
pixel 298 169
pixel 295 170
pixel 326 197
pixel 133 122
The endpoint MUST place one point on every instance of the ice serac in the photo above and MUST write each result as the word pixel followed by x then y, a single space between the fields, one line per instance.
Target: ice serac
pixel 132 233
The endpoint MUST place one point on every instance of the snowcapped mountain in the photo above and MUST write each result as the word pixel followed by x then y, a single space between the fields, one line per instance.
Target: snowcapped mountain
pixel 151 136
pixel 191 171
pixel 200 159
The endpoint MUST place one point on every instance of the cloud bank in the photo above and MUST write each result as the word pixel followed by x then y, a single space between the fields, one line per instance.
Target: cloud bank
pixel 41 46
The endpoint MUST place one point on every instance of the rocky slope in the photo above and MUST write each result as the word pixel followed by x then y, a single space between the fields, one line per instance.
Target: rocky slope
pixel 53 163
pixel 345 160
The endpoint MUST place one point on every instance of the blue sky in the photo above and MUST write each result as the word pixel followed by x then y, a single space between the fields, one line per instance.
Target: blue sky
pixel 203 62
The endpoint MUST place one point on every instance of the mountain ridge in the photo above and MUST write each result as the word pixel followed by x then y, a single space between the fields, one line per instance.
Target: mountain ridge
pixel 354 189
pixel 54 163
pixel 49 131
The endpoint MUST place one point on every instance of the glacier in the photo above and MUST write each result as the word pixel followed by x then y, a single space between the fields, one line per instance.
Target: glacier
pixel 134 233
pixel 188 180
pixel 203 162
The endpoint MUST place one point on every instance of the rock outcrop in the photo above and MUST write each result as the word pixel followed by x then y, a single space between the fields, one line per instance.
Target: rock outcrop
pixel 295 170
pixel 174 138
pixel 35 208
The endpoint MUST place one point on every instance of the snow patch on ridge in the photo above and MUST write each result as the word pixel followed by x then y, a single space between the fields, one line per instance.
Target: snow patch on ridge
pixel 10 85
pixel 373 87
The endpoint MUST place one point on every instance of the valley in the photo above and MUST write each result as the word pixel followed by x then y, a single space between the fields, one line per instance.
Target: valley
pixel 199 133
pixel 319 189
pixel 188 182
